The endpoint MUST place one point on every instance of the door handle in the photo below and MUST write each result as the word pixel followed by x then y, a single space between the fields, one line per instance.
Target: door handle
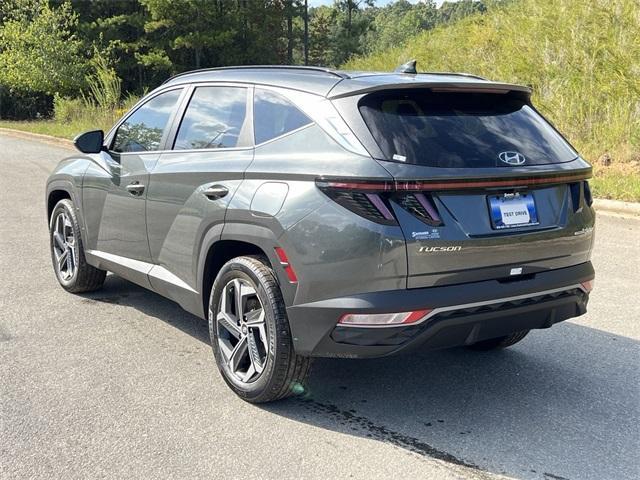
pixel 215 192
pixel 135 189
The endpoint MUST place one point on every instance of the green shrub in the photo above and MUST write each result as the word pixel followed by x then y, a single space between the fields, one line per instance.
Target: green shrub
pixel 68 109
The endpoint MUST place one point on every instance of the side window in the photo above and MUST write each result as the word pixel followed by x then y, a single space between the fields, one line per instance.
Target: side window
pixel 213 119
pixel 274 116
pixel 142 131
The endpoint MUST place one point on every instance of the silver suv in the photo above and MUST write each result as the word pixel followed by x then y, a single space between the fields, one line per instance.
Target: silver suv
pixel 307 212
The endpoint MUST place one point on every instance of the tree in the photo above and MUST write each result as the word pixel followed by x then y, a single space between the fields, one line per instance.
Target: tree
pixel 321 19
pixel 39 51
pixel 398 21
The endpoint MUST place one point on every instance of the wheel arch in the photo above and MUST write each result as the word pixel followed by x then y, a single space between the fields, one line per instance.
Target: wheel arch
pixel 235 241
pixel 216 256
pixel 53 197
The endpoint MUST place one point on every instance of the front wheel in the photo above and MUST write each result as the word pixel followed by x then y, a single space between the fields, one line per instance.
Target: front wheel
pixel 250 333
pixel 67 252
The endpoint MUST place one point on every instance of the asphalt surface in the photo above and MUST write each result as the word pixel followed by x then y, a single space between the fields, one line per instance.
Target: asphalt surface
pixel 121 383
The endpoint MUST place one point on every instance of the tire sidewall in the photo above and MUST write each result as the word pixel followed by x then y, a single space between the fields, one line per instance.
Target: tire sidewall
pixel 67 207
pixel 239 269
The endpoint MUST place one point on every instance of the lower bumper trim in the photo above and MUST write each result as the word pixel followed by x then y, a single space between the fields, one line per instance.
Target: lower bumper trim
pixel 467 324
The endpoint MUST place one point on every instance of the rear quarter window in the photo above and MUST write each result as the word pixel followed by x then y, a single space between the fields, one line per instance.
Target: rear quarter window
pixel 454 129
pixel 275 116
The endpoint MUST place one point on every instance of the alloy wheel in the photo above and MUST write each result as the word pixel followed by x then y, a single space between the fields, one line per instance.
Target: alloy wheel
pixel 241 330
pixel 64 247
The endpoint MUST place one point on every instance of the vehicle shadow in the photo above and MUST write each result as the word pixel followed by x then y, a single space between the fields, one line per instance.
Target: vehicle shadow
pixel 562 404
pixel 122 292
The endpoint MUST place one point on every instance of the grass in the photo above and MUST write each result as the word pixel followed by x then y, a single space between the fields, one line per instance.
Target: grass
pixel 74 116
pixel 582 60
pixel 57 129
pixel 616 183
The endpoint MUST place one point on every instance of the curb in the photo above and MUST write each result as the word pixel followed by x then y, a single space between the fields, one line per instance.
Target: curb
pixel 600 204
pixel 60 142
pixel 615 206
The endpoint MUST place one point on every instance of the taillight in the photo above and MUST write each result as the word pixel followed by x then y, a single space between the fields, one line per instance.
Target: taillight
pixel 362 198
pixel 420 205
pixel 284 261
pixel 587 193
pixel 371 200
pixel 575 188
pixel 383 319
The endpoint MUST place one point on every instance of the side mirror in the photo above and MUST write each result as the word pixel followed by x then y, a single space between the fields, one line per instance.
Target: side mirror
pixel 89 142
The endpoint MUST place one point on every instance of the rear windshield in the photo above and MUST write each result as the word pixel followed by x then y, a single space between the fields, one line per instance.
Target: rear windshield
pixel 453 129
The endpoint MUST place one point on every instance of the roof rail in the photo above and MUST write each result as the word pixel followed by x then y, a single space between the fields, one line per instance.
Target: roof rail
pixel 301 68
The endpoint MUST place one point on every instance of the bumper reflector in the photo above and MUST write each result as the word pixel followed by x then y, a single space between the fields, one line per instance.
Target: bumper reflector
pixel 588 285
pixel 288 269
pixel 382 319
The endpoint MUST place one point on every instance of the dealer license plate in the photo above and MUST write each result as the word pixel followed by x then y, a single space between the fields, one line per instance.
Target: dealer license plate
pixel 512 210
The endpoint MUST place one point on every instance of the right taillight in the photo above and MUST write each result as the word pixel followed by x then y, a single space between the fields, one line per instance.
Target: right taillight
pixel 587 193
pixel 588 285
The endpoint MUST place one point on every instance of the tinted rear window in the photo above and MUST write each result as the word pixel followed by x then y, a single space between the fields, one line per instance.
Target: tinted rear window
pixel 421 127
pixel 213 119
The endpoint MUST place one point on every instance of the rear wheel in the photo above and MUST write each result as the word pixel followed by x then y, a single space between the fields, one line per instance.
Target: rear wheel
pixel 250 333
pixel 500 342
pixel 67 252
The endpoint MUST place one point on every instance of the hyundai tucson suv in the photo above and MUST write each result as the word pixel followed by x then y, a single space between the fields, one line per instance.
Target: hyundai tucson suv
pixel 307 212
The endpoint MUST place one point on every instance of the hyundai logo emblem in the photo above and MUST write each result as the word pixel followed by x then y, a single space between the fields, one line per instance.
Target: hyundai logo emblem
pixel 512 158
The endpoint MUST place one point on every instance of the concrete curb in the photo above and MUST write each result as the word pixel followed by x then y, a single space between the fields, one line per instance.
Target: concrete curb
pixel 60 142
pixel 615 206
pixel 600 204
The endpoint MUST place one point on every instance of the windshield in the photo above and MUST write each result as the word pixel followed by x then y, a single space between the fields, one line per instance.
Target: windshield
pixel 454 129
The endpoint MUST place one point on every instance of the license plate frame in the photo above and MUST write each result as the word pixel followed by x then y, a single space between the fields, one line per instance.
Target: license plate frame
pixel 510 210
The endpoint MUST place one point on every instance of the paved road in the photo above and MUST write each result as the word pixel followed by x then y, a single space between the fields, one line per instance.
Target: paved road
pixel 121 383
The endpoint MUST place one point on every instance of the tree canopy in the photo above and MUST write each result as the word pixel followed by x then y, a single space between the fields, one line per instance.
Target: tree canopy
pixel 49 47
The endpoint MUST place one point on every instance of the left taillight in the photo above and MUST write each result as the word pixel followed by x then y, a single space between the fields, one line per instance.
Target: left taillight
pixel 372 200
pixel 366 199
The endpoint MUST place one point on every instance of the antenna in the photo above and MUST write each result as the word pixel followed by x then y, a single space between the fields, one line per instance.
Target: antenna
pixel 409 67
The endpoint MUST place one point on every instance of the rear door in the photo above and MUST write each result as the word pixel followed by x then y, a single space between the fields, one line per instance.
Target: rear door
pixel 485 187
pixel 192 184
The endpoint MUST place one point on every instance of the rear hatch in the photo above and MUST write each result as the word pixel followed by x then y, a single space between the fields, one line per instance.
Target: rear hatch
pixel 485 187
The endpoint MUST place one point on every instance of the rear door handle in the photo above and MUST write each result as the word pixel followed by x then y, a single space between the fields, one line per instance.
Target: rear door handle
pixel 215 192
pixel 135 189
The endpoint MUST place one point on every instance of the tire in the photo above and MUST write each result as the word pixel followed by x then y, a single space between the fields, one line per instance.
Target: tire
pixel 500 342
pixel 265 366
pixel 64 235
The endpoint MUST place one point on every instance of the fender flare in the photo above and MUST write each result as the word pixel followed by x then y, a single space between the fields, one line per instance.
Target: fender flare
pixel 261 237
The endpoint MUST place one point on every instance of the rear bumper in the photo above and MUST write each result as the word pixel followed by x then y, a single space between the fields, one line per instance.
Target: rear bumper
pixel 463 314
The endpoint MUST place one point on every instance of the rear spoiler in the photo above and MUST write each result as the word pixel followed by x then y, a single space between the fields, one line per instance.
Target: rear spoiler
pixel 462 86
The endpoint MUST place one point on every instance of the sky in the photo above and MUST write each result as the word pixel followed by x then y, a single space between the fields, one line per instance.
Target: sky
pixel 379 3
